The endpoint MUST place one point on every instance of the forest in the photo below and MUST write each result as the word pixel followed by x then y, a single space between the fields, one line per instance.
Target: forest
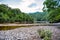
pixel 38 16
pixel 51 13
pixel 9 15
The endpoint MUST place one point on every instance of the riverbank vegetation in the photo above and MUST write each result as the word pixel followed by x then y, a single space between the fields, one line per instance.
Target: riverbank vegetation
pixel 38 16
pixel 51 13
pixel 45 34
pixel 10 15
pixel 52 8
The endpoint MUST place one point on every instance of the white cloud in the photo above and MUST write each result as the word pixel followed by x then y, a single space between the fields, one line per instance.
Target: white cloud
pixel 24 5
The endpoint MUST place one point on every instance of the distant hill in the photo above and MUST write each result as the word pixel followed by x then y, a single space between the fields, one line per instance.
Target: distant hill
pixel 38 16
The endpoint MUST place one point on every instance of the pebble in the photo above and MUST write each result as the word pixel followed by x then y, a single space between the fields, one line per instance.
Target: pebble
pixel 28 33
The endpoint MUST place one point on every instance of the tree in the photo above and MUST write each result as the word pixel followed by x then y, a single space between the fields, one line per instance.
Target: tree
pixel 10 15
pixel 54 15
pixel 53 10
pixel 49 5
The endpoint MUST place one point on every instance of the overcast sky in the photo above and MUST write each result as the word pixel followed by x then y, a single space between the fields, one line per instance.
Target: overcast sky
pixel 25 5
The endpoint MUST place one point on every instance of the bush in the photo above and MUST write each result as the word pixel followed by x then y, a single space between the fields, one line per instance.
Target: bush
pixel 45 34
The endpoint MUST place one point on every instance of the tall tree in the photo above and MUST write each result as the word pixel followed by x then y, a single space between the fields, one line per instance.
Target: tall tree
pixel 49 5
pixel 53 10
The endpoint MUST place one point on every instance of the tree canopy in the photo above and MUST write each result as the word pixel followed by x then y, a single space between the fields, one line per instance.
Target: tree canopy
pixel 52 8
pixel 9 15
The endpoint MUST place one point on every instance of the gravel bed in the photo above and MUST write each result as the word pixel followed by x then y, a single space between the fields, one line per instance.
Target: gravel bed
pixel 28 33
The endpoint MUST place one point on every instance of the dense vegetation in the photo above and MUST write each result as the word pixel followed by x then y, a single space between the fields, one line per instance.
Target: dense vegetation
pixel 45 34
pixel 9 15
pixel 51 13
pixel 38 16
pixel 53 10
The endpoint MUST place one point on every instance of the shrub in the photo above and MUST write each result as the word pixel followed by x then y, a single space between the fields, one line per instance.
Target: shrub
pixel 45 34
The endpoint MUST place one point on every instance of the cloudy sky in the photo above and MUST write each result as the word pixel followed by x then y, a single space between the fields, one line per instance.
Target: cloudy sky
pixel 25 5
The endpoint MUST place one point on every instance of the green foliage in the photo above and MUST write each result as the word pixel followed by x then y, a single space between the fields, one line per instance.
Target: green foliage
pixel 47 38
pixel 53 11
pixel 45 34
pixel 55 15
pixel 49 5
pixel 38 16
pixel 9 15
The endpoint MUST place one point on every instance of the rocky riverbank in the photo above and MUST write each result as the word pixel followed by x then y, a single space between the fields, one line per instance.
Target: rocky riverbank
pixel 28 33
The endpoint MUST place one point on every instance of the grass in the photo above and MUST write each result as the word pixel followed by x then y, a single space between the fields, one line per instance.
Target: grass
pixel 45 34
